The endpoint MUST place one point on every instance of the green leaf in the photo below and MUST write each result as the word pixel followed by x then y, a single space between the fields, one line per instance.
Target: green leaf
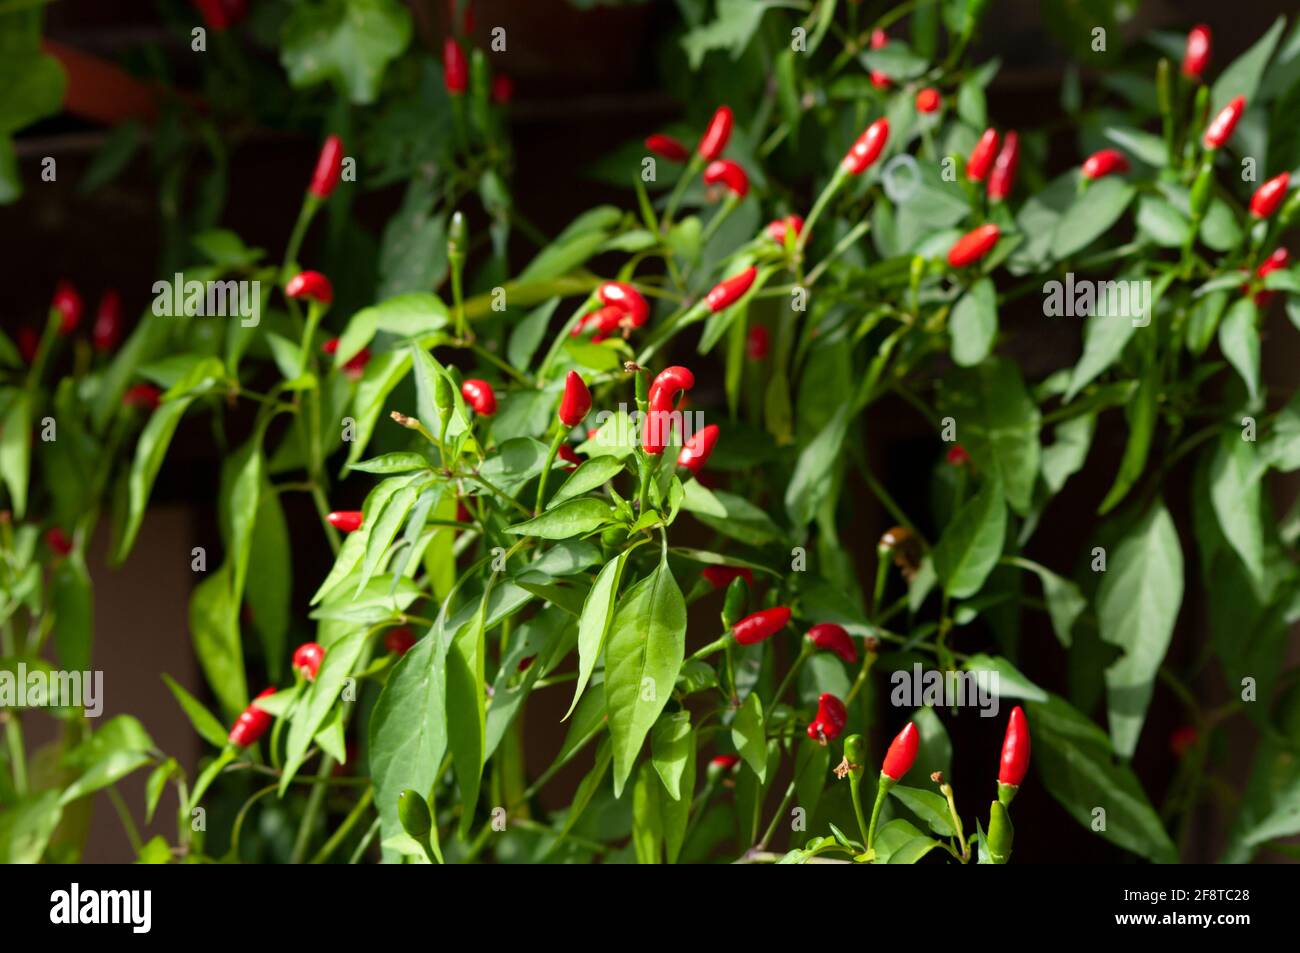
pixel 113 156
pixel 928 806
pixel 1235 477
pixel 406 315
pixel 1161 222
pixel 1010 682
pixel 214 629
pixel 895 835
pixel 1104 337
pixel 1242 76
pixel 403 462
pixel 1092 213
pixel 347 42
pixel 32 86
pixel 998 423
pixel 1065 603
pixel 204 722
pixel 676 813
pixel 913 850
pixel 896 60
pixel 811 764
pixel 747 734
pixel 341 657
pixel 974 324
pixel 1239 341
pixel 1137 605
pixel 27 826
pixel 1141 415
pixel 593 473
pixel 1077 766
pixel 16 451
pixel 647 644
pixel 118 748
pixel 528 334
pixel 730 515
pixel 73 604
pixel 466 709
pixel 593 625
pixel 1203 320
pixel 672 745
pixel 647 819
pixel 814 471
pixel 972 542
pixel 574 518
pixel 1146 146
pixel 382 374
pixel 149 453
pixel 736 23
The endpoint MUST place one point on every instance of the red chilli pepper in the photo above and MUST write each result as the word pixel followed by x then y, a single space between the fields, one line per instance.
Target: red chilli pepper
pixel 698 448
pixel 67 301
pixel 973 246
pixel 345 521
pixel 957 456
pixel 729 174
pixel 311 285
pixel 867 149
pixel 329 166
pixel 503 89
pixel 902 753
pixel 221 15
pixel 1015 749
pixel 1280 258
pixel 666 147
pixel 29 342
pixel 879 39
pixel 1269 196
pixel 107 329
pixel 758 342
pixel 833 638
pixel 1221 126
pixel 720 577
pixel 716 136
pixel 251 723
pixel 761 625
pixel 664 391
pixel 145 396
pixel 982 156
pixel 1181 740
pixel 626 298
pixel 576 402
pixel 1003 177
pixel 1103 163
pixel 455 71
pixel 730 290
pixel 307 658
pixel 928 100
pixel 830 720
pixel 399 641
pixel 479 395
pixel 58 541
pixel 566 454
pixel 777 228
pixel 1197 55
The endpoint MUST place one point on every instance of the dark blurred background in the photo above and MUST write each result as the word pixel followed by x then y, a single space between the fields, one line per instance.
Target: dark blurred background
pixel 585 80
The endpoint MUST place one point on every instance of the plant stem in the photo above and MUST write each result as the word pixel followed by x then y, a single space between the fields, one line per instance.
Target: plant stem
pixel 882 792
pixel 546 467
pixel 351 821
pixel 315 801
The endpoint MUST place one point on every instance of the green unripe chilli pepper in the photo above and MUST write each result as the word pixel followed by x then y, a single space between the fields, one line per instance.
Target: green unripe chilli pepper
pixel 1000 833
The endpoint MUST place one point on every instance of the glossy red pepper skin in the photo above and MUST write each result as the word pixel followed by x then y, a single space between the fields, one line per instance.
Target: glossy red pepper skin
pixel 764 624
pixel 346 521
pixel 1197 54
pixel 455 71
pixel 106 332
pixel 399 641
pixel 576 402
pixel 1270 195
pixel 58 541
pixel 311 285
pixel 503 89
pixel 902 753
pixel 145 396
pixel 867 149
pixel 758 342
pixel 778 228
pixel 717 135
pixel 329 166
pixel 1280 258
pixel 730 290
pixel 982 156
pixel 479 395
pixel 1221 127
pixel 566 454
pixel 1002 180
pixel 719 577
pixel 625 297
pixel 957 455
pixel 725 761
pixel 973 246
pixel 879 39
pixel 928 100
pixel 666 147
pixel 251 723
pixel 833 638
pixel 307 658
pixel 1103 163
pixel 831 719
pixel 664 391
pixel 1015 749
pixel 728 174
pixel 698 448
pixel 67 301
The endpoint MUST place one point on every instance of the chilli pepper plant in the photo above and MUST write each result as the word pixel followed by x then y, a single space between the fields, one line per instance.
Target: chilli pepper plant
pixel 595 509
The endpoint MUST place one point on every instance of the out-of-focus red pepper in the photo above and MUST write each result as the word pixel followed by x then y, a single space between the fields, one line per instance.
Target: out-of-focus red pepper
pixel 833 638
pixel 717 135
pixel 982 156
pixel 666 147
pixel 698 448
pixel 329 167
pixel 730 290
pixel 728 174
pixel 973 246
pixel 107 329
